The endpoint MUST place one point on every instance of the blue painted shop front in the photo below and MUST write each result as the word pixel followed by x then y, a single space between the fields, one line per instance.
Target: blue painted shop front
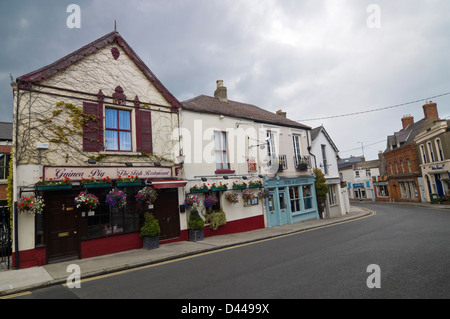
pixel 291 200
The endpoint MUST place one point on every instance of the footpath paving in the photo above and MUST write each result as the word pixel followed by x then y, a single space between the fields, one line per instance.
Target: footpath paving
pixel 16 281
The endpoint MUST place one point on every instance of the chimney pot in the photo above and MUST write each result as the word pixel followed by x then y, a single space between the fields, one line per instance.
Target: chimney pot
pixel 280 112
pixel 407 120
pixel 430 111
pixel 221 91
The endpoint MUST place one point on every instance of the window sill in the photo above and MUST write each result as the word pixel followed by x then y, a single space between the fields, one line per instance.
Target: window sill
pixel 120 153
pixel 224 171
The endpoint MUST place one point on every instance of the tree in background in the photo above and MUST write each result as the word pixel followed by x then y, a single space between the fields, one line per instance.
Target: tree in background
pixel 321 190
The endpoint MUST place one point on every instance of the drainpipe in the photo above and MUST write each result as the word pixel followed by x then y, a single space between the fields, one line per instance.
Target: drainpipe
pixel 309 149
pixel 14 179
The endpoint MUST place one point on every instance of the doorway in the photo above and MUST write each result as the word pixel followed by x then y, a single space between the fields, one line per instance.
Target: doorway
pixel 167 213
pixel 61 218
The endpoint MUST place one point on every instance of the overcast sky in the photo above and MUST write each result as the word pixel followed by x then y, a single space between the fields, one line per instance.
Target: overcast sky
pixel 311 58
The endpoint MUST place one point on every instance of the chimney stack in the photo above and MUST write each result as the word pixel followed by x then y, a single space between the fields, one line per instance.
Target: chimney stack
pixel 430 111
pixel 407 120
pixel 280 112
pixel 221 91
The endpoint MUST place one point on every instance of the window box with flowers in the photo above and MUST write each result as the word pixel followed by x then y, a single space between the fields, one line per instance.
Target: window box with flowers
pixel 31 205
pixel 86 201
pixel 199 189
pixel 219 187
pixel 128 181
pixel 96 183
pixel 237 185
pixel 52 185
pixel 255 184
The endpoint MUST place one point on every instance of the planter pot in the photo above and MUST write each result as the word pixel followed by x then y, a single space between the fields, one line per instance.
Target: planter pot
pixel 53 187
pixel 97 185
pixel 255 186
pixel 196 234
pixel 199 190
pixel 218 189
pixel 150 242
pixel 124 184
pixel 302 167
pixel 239 187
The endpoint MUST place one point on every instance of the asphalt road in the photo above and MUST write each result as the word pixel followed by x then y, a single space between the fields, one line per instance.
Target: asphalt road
pixel 401 252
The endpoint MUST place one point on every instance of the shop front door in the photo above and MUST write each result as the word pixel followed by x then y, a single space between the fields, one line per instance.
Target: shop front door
pixel 61 218
pixel 283 204
pixel 166 211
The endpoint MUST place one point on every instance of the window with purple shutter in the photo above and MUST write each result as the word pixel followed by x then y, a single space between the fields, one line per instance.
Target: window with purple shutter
pixel 93 129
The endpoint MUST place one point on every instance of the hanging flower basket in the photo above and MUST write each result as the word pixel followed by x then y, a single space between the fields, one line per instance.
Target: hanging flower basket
pixel 210 201
pixel 86 201
pixel 147 195
pixel 264 193
pixel 31 205
pixel 192 201
pixel 248 195
pixel 233 198
pixel 116 198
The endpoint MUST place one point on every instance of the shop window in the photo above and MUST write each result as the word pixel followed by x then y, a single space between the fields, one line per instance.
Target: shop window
pixel 307 196
pixel 382 191
pixel 294 195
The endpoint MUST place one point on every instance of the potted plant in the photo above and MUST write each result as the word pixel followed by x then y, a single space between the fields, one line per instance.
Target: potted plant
pixel 86 201
pixel 216 219
pixel 31 205
pixel 196 225
pixel 147 195
pixel 150 231
pixel 116 198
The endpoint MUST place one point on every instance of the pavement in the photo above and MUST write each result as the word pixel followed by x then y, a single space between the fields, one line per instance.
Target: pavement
pixel 22 280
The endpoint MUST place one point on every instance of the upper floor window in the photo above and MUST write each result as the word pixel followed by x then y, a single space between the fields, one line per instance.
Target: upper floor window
pixel 324 158
pixel 430 151
pixel 439 150
pixel 297 148
pixel 117 130
pixel 220 149
pixel 4 165
pixel 422 152
pixel 271 152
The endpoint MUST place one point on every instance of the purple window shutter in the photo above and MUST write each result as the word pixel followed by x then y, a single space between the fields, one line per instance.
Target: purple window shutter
pixel 144 131
pixel 93 129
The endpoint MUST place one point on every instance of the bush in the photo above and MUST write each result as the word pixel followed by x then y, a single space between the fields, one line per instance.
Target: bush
pixel 216 219
pixel 151 226
pixel 195 221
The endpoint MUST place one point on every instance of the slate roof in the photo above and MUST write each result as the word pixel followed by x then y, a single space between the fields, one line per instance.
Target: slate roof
pixel 405 137
pixel 315 132
pixel 113 37
pixel 212 105
pixel 348 162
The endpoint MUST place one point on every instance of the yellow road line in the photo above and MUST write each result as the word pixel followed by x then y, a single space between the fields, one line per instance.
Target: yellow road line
pixel 372 213
pixel 16 295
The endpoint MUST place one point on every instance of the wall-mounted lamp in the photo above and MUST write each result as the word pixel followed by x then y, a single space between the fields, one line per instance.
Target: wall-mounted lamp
pixel 157 163
pixel 261 176
pixel 180 159
pixel 225 177
pixel 204 179
pixel 244 177
pixel 91 161
pixel 128 164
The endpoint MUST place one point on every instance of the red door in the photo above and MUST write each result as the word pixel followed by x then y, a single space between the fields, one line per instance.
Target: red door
pixel 166 211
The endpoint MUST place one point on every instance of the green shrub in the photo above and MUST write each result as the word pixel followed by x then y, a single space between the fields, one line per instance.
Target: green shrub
pixel 151 226
pixel 195 221
pixel 216 219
